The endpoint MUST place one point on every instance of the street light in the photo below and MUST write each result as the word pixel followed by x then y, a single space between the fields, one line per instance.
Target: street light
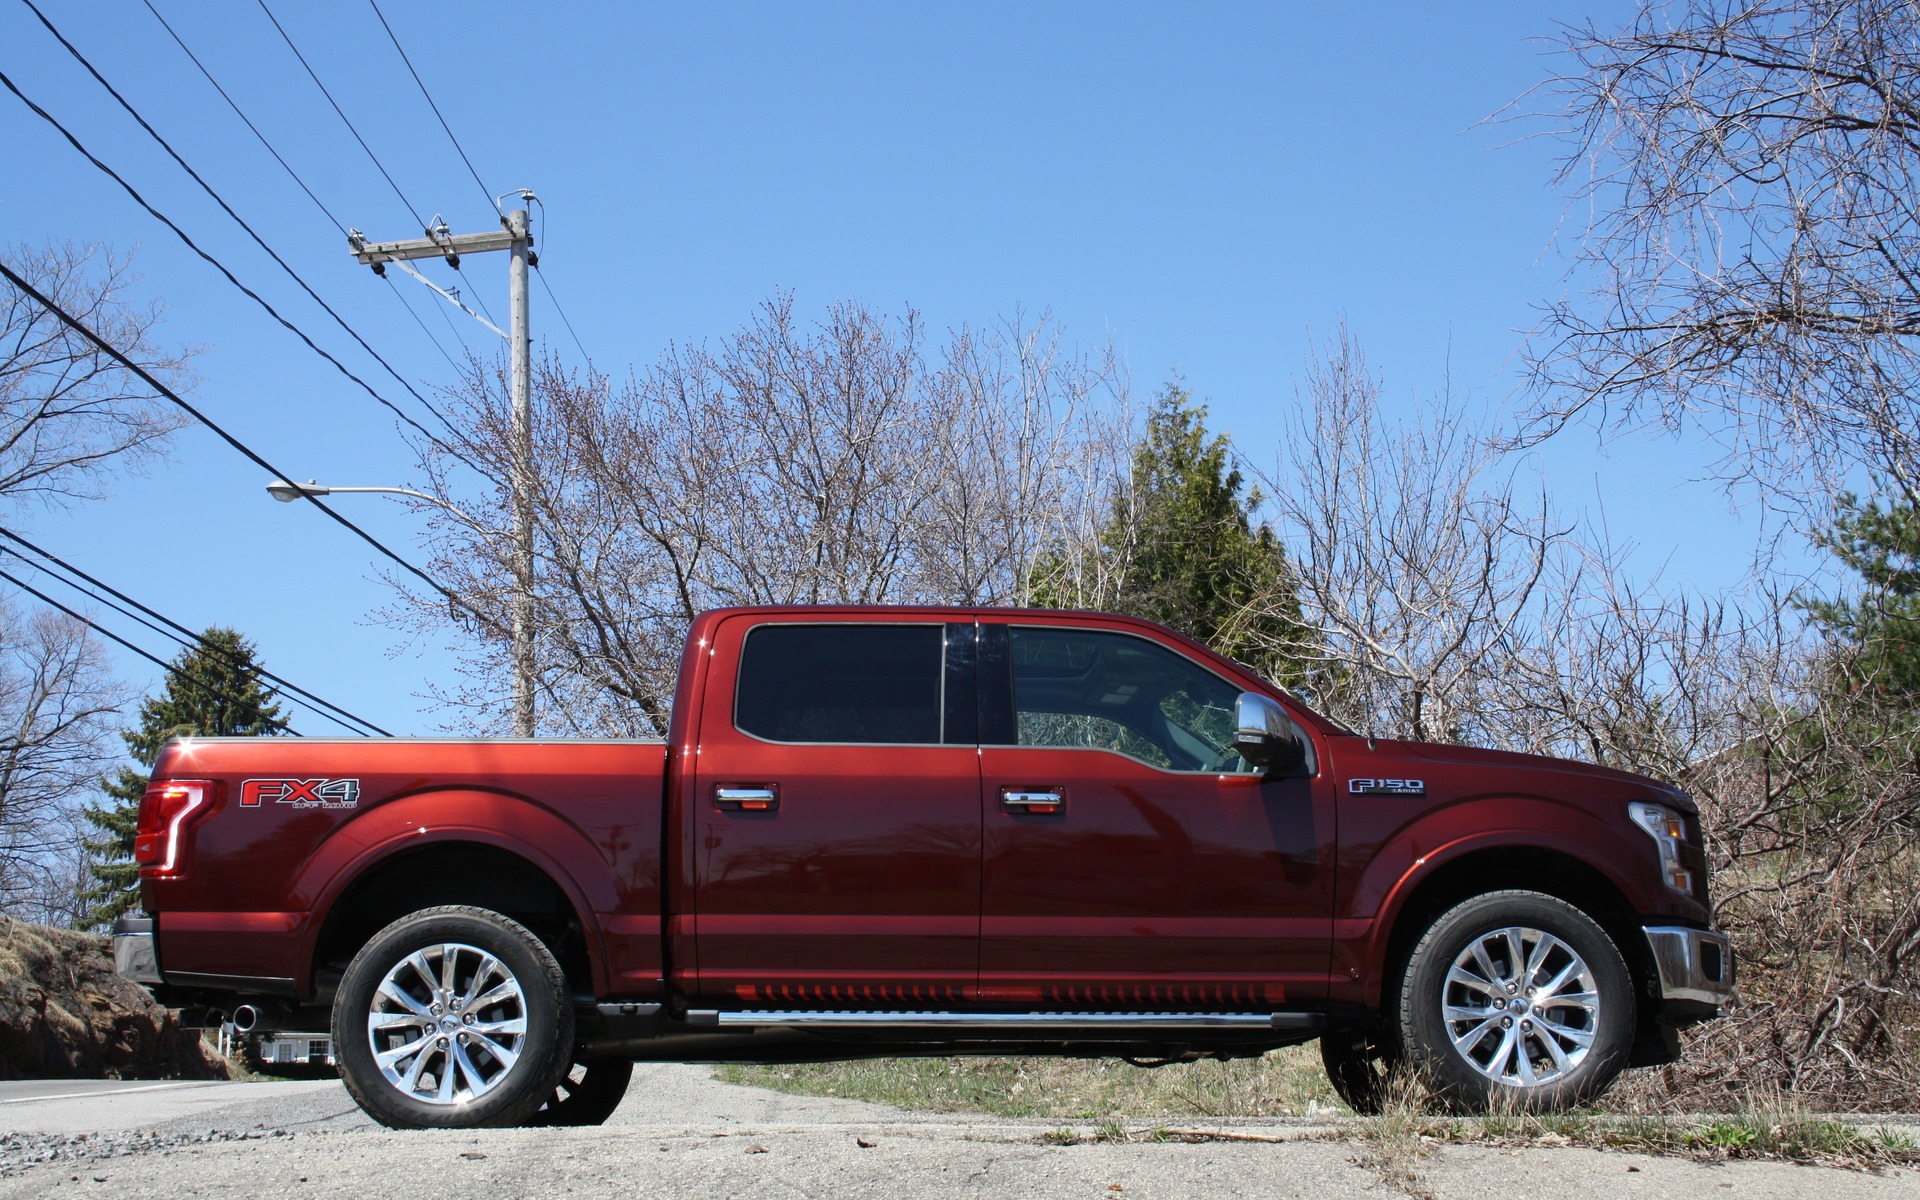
pixel 287 493
pixel 523 682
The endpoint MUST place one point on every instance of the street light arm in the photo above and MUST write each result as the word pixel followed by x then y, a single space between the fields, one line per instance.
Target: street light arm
pixel 286 492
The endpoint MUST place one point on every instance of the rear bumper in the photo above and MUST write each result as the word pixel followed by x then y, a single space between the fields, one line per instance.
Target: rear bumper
pixel 134 955
pixel 1695 965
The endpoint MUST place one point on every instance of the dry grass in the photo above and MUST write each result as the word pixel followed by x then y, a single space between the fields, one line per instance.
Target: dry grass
pixel 1284 1083
pixel 1289 1082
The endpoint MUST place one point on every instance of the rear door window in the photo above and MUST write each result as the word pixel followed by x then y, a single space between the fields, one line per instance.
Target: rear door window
pixel 848 684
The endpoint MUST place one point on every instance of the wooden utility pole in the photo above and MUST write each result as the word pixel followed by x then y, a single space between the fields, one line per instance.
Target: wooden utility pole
pixel 514 236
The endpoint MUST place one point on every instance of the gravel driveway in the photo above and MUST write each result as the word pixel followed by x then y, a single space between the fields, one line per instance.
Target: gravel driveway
pixel 679 1133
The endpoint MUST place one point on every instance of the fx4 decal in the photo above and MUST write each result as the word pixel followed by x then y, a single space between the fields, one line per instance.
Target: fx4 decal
pixel 301 793
pixel 1387 787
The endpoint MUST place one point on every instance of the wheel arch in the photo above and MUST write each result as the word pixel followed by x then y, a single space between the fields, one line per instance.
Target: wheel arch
pixel 1534 868
pixel 464 867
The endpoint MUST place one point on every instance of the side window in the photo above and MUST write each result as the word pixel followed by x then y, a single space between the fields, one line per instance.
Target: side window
pixel 1087 689
pixel 841 683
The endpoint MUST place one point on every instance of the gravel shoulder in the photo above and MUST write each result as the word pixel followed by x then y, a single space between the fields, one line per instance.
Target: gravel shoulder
pixel 680 1133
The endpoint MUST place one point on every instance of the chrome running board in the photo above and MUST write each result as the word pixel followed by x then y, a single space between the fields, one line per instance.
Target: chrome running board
pixel 1004 1021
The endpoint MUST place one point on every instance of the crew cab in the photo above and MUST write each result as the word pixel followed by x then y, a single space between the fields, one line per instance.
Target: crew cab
pixel 887 831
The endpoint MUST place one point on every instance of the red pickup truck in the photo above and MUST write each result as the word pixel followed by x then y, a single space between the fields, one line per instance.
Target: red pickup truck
pixel 874 832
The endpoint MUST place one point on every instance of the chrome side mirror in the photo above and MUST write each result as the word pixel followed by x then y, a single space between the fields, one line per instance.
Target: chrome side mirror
pixel 1267 737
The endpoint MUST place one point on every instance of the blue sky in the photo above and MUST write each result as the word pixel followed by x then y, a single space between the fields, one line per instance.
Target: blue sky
pixel 1208 185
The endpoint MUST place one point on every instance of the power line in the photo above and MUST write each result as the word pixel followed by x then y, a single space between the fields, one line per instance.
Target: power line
pixel 342 114
pixel 478 296
pixel 168 393
pixel 108 633
pixel 549 291
pixel 242 115
pixel 175 630
pixel 182 234
pixel 408 305
pixel 228 209
pixel 291 173
pixel 431 104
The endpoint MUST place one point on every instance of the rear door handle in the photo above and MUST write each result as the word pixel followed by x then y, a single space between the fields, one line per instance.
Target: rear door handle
pixel 754 798
pixel 1040 801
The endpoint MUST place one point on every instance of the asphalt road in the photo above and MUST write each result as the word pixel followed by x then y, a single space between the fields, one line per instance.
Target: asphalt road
pixel 679 1133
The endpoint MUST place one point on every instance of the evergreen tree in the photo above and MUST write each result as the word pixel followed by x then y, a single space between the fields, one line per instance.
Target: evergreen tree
pixel 1189 550
pixel 1882 626
pixel 211 690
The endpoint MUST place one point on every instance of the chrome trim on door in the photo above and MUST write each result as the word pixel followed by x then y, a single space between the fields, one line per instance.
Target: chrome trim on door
pixel 1033 800
pixel 752 799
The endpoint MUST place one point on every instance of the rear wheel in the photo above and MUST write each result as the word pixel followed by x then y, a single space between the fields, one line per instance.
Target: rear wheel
pixel 450 1018
pixel 587 1093
pixel 1359 1063
pixel 1516 998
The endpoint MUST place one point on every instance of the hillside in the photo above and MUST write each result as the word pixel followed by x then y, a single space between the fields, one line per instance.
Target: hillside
pixel 65 1014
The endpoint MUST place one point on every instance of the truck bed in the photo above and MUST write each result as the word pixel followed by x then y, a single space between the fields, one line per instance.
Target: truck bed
pixel 299 818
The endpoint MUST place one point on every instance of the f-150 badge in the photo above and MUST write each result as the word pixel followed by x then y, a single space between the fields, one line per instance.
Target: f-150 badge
pixel 301 793
pixel 1387 787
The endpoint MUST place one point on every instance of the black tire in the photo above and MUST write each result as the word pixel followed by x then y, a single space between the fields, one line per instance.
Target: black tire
pixel 526 987
pixel 1578 1040
pixel 1359 1064
pixel 587 1093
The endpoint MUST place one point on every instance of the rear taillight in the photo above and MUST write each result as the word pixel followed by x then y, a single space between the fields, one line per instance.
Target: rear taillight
pixel 166 809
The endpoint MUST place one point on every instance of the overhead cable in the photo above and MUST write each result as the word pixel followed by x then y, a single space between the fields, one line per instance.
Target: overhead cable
pixel 430 104
pixel 420 221
pixel 549 291
pixel 180 633
pixel 108 633
pixel 291 173
pixel 257 239
pixel 169 394
pixel 217 265
pixel 431 336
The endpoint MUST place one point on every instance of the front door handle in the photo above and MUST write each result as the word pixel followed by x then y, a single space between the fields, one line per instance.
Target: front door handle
pixel 746 799
pixel 1040 801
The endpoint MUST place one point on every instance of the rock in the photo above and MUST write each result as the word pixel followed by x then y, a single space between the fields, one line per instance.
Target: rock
pixel 65 1013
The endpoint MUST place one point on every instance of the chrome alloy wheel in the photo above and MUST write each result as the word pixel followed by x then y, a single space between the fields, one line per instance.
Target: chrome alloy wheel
pixel 1521 1006
pixel 447 1024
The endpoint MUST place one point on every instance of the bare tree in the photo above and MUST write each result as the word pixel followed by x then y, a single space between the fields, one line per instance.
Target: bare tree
pixel 1443 607
pixel 1417 558
pixel 57 705
pixel 1753 169
pixel 69 414
pixel 789 464
pixel 66 408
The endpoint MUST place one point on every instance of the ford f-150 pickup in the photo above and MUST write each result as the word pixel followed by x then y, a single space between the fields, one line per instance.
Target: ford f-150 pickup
pixel 876 832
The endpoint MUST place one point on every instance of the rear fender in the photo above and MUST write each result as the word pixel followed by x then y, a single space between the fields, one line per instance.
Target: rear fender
pixel 577 866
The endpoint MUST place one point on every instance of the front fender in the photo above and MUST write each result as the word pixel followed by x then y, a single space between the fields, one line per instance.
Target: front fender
pixel 1394 871
pixel 558 848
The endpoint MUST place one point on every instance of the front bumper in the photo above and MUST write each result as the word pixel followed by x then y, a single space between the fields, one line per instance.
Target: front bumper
pixel 1695 965
pixel 133 951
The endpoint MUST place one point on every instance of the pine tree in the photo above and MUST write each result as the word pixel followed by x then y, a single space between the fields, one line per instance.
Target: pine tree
pixel 1882 626
pixel 211 690
pixel 1189 550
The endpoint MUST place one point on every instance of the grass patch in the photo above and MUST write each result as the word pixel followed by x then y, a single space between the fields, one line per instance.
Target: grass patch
pixel 1283 1083
pixel 1290 1083
pixel 1758 1133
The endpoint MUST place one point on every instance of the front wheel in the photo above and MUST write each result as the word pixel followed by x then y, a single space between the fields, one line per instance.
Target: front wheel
pixel 1516 998
pixel 453 1017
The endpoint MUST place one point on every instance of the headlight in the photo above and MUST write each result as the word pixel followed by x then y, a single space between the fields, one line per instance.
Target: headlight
pixel 1669 832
